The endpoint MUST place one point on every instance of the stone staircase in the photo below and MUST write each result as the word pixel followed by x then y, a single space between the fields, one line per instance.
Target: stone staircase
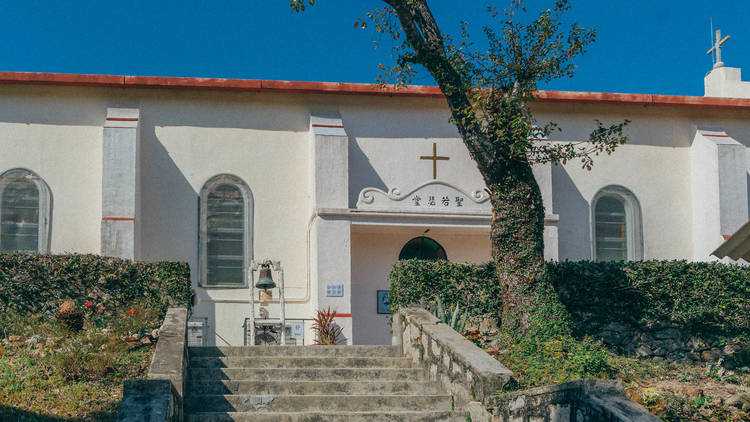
pixel 311 383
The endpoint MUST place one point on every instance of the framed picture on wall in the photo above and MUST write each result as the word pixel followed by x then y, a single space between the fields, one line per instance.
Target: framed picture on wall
pixel 383 302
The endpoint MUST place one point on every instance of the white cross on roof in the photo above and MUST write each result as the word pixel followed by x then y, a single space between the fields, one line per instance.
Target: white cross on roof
pixel 717 48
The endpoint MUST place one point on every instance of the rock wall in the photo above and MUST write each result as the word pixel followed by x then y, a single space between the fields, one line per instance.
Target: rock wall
pixel 669 342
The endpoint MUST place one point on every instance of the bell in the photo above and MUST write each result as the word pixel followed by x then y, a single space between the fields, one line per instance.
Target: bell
pixel 265 282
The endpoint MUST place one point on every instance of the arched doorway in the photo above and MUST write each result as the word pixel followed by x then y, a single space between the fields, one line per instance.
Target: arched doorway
pixel 422 247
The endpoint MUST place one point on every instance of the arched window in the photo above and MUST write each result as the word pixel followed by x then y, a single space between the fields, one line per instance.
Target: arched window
pixel 226 231
pixel 617 232
pixel 422 248
pixel 25 206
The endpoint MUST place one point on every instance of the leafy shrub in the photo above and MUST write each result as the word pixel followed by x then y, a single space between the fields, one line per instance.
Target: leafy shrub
pixel 70 316
pixel 700 297
pixel 451 318
pixel 472 287
pixel 551 361
pixel 32 283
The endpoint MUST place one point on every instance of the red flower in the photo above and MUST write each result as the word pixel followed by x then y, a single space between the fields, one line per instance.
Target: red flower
pixel 89 304
pixel 131 311
pixel 101 308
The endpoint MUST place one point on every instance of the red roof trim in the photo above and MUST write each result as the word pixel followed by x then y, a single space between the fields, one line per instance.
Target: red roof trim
pixel 340 88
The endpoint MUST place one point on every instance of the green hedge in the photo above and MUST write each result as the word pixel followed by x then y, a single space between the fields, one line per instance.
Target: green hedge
pixel 39 283
pixel 708 298
pixel 420 281
pixel 702 297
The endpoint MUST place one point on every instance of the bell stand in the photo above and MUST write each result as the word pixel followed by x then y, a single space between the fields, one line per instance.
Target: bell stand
pixel 275 266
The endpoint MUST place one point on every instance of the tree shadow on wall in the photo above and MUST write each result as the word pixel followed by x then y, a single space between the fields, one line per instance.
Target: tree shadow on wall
pixel 8 413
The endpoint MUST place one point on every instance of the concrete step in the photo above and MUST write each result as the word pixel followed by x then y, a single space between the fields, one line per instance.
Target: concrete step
pixel 308 374
pixel 312 387
pixel 328 351
pixel 317 403
pixel 381 416
pixel 298 362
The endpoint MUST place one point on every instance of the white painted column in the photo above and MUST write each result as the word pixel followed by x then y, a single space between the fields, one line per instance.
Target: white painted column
pixel 543 176
pixel 330 246
pixel 719 190
pixel 120 178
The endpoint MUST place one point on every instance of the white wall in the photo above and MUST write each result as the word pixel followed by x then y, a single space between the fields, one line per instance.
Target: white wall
pixel 726 82
pixel 57 133
pixel 188 138
pixel 376 249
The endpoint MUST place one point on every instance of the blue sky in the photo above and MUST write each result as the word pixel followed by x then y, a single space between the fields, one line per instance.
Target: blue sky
pixel 655 46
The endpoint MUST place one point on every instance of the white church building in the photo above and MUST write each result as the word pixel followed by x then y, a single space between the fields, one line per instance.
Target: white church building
pixel 336 181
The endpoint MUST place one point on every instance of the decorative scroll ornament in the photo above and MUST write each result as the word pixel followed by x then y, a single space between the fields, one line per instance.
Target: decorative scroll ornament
pixel 431 196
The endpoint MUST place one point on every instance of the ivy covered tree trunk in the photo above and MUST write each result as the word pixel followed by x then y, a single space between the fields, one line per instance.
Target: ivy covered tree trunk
pixel 517 236
pixel 530 305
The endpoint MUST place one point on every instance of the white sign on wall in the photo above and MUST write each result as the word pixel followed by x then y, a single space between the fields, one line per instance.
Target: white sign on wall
pixel 429 197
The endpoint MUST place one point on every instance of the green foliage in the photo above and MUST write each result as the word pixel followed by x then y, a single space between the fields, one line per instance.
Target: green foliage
pixel 426 282
pixel 452 318
pixel 543 361
pixel 704 298
pixel 40 283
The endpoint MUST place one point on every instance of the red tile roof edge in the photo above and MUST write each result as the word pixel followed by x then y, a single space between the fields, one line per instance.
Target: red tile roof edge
pixel 341 88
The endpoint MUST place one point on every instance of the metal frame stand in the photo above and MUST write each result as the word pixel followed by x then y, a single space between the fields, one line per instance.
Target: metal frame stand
pixel 275 266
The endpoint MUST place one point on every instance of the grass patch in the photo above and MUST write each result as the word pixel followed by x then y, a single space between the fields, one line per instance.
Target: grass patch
pixel 50 373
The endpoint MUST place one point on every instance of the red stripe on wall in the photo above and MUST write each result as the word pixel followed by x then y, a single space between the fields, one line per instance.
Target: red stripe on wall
pixel 338 315
pixel 119 218
pixel 334 126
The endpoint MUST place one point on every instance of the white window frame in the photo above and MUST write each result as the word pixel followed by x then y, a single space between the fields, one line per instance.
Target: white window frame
pixel 45 205
pixel 247 195
pixel 633 220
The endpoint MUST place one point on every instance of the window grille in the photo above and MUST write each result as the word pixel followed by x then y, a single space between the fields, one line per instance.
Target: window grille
pixel 24 212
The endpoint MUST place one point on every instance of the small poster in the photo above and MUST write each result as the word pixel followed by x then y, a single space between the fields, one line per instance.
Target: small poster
pixel 298 330
pixel 383 302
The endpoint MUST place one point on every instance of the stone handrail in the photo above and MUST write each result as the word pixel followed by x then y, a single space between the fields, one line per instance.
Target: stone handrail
pixel 582 400
pixel 465 370
pixel 160 397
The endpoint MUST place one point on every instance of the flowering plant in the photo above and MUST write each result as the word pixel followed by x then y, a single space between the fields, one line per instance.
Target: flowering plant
pixel 474 336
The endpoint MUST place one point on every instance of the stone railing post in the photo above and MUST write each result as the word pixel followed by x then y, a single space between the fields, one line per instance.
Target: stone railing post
pixel 160 397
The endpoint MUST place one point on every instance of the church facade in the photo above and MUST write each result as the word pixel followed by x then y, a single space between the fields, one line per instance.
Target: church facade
pixel 336 182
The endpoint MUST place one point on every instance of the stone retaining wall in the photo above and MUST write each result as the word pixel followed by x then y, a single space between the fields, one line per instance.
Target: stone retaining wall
pixel 580 401
pixel 667 342
pixel 463 369
pixel 160 397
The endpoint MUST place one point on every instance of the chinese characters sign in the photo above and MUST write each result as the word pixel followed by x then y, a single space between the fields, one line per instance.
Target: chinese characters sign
pixel 445 201
pixel 430 197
